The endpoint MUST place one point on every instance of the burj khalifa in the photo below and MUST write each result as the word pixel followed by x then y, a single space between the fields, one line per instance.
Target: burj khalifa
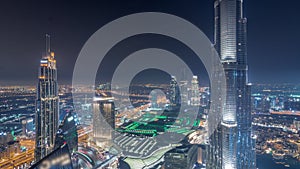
pixel 233 144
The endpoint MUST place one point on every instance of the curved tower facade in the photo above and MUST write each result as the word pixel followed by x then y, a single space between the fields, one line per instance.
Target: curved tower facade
pixel 235 141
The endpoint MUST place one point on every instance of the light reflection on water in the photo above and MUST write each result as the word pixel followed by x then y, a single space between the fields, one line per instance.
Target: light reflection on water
pixel 266 161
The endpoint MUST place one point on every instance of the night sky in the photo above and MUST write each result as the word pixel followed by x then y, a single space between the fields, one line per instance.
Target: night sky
pixel 273 34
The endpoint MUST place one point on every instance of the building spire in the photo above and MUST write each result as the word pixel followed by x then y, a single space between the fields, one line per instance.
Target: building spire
pixel 48 44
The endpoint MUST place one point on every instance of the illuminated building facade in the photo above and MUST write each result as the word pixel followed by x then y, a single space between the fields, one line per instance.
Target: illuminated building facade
pixel 103 120
pixel 47 108
pixel 195 95
pixel 10 149
pixel 233 143
pixel 174 94
pixel 154 99
pixel 183 84
pixel 27 126
pixel 184 92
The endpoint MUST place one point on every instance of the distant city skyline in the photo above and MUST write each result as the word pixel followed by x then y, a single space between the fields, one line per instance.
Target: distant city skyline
pixel 272 40
pixel 138 107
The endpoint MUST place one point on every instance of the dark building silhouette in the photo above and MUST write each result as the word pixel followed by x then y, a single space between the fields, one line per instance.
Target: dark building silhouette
pixel 67 132
pixel 60 158
pixel 184 156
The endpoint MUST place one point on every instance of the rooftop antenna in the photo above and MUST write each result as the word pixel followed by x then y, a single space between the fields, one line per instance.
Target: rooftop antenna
pixel 48 44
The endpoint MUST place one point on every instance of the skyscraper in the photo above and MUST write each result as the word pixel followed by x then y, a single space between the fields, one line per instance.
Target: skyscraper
pixel 235 141
pixel 47 109
pixel 103 120
pixel 154 103
pixel 195 95
pixel 174 93
pixel 183 85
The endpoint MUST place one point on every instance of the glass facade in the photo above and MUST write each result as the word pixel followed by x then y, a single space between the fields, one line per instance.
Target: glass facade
pixel 174 93
pixel 47 109
pixel 103 120
pixel 228 30
pixel 236 149
pixel 67 132
pixel 195 95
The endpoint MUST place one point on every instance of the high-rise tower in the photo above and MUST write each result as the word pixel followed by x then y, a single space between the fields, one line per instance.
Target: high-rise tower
pixel 195 95
pixel 174 93
pixel 103 120
pixel 47 108
pixel 235 142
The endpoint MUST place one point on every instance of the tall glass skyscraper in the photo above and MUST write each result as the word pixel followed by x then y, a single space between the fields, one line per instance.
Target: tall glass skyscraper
pixel 47 108
pixel 233 143
pixel 195 95
pixel 174 93
pixel 103 119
